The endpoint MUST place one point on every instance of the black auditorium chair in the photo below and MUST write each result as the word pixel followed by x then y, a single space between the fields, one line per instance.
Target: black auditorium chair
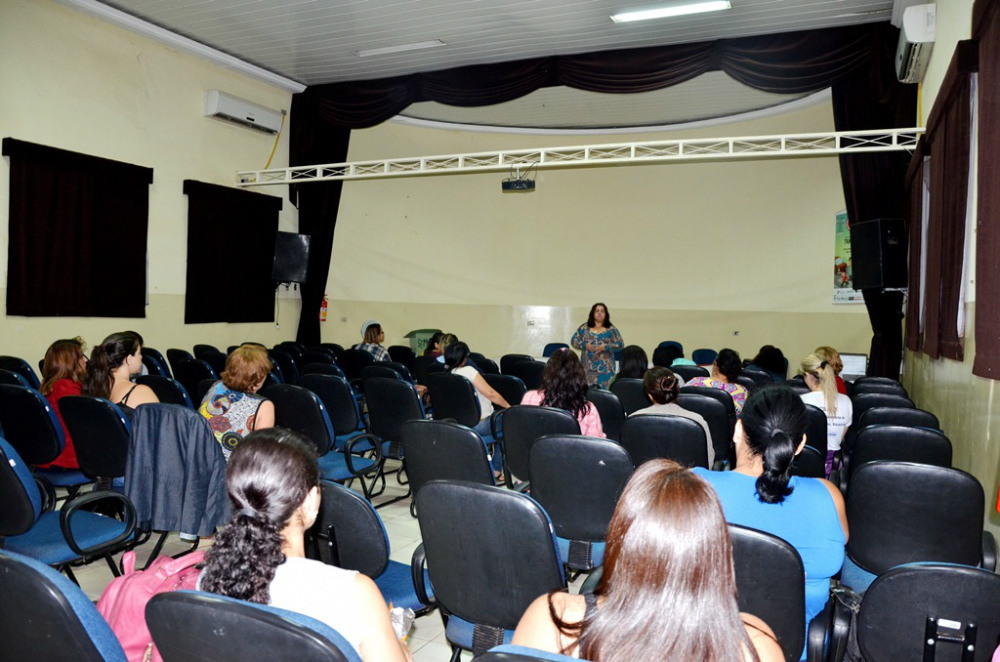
pixel 757 375
pixel 402 370
pixel 157 357
pixel 455 398
pixel 424 366
pixel 353 361
pixel 487 366
pixel 512 653
pixel 201 351
pixel 508 360
pixel 902 512
pixel 746 383
pixel 341 405
pixel 175 356
pixel 650 436
pixel 879 387
pixel 392 402
pixel 11 378
pixel 911 418
pixel 192 371
pixel 30 426
pixel 898 444
pixel 56 538
pixel 349 534
pixel 321 369
pixel 816 429
pixel 885 381
pixel 930 611
pixel 378 371
pixel 553 347
pixel 289 368
pixel 689 372
pixel 578 480
pixel 153 367
pixel 192 626
pixel 809 463
pixel 338 350
pixel 631 393
pixel 529 370
pixel 610 409
pixel 865 401
pixel 167 390
pixel 402 354
pixel 704 356
pixel 21 367
pixel 522 425
pixel 100 434
pixel 205 384
pixel 489 553
pixel 717 408
pixel 48 617
pixel 217 361
pixel 797 385
pixel 510 387
pixel 317 355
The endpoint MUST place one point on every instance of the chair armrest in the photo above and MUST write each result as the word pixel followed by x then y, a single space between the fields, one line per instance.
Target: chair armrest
pixel 593 579
pixel 495 421
pixel 989 561
pixel 48 492
pixel 842 607
pixel 376 443
pixel 72 507
pixel 816 633
pixel 417 563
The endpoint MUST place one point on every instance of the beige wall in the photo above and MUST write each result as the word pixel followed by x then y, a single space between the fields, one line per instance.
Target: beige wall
pixel 77 83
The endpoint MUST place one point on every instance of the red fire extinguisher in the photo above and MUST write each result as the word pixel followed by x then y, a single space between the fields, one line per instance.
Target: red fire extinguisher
pixel 322 310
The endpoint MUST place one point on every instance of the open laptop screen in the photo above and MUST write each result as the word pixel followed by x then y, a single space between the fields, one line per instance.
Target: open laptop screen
pixel 855 365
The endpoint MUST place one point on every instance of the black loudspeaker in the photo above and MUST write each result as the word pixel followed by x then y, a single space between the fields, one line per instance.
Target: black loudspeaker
pixel 878 253
pixel 291 257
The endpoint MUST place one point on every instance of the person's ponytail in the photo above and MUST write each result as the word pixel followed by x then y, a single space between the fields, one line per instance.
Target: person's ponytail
pixel 98 380
pixel 244 558
pixel 779 452
pixel 774 423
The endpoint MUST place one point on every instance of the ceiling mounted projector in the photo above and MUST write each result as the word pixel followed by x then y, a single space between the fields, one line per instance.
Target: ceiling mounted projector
pixel 508 185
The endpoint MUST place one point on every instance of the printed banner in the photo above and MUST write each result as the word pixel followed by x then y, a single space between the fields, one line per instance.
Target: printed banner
pixel 843 268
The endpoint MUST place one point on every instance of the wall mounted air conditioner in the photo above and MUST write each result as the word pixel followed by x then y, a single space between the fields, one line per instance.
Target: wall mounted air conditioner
pixel 916 40
pixel 233 109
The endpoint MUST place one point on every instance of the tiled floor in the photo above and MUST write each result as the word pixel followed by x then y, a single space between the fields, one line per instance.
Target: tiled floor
pixel 426 640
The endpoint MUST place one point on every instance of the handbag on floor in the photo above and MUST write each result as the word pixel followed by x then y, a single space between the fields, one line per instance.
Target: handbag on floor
pixel 123 603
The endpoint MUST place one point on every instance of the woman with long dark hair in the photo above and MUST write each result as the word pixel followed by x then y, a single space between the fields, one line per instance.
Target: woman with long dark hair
pixel 110 370
pixel 598 339
pixel 564 386
pixel 662 387
pixel 273 484
pixel 725 370
pixel 633 365
pixel 668 591
pixel 761 492
pixel 456 358
pixel 63 371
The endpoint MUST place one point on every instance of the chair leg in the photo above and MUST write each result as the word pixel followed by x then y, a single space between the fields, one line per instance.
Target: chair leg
pixel 114 566
pixel 413 508
pixel 156 549
pixel 69 573
pixel 456 653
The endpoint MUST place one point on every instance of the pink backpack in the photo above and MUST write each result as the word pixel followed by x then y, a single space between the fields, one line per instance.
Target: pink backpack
pixel 123 603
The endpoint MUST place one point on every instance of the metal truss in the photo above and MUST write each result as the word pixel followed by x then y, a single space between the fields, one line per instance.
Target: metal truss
pixel 619 154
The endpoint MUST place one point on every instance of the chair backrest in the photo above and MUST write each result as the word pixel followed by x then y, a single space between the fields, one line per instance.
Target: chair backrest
pixel 402 370
pixel 717 408
pixel 317 355
pixel 190 372
pixel 391 402
pixel 175 356
pixel 378 370
pixel 672 343
pixel 21 499
pixel 578 480
pixel 321 369
pixel 809 463
pixel 757 375
pixel 911 418
pixel 157 357
pixel 902 512
pixel 508 360
pixel 402 354
pixel 704 356
pixel 297 408
pixel 650 436
pixel 631 394
pixel 48 617
pixel 553 347
pixel 900 444
pixel 797 385
pixel 29 424
pixel 689 372
pixel 442 450
pixel 216 361
pixel 167 390
pixel 770 585
pixel 192 626
pixel 862 402
pixel 289 368
pixel 816 429
pixel 100 434
pixel 887 381
pixel 523 424
pixel 510 387
pixel 486 365
pixel 424 366
pixel 529 370
pixel 348 532
pixel 893 621
pixel 338 350
pixel 610 409
pixel 747 383
pixel 353 360
pixel 21 367
pixel 454 397
pixel 511 653
pixel 338 398
pixel 205 384
pixel 502 556
pixel 879 387
pixel 296 349
pixel 200 351
pixel 12 378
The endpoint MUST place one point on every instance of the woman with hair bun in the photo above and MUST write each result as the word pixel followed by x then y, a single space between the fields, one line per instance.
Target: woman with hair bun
pixel 273 485
pixel 662 386
pixel 821 378
pixel 725 370
pixel 110 370
pixel 761 492
pixel 63 371
pixel 564 386
pixel 668 591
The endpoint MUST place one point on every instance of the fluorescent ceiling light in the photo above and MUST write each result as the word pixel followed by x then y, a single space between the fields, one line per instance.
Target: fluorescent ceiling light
pixel 648 13
pixel 433 43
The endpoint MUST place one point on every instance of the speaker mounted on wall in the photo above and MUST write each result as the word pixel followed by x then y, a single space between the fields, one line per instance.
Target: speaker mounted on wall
pixel 291 258
pixel 878 253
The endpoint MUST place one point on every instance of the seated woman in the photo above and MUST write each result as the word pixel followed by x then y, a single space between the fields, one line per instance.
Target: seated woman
pixel 821 379
pixel 372 336
pixel 761 492
pixel 633 364
pixel 433 348
pixel 662 386
pixel 273 485
pixel 110 370
pixel 832 356
pixel 668 591
pixel 771 360
pixel 232 406
pixel 725 370
pixel 456 357
pixel 564 386
pixel 63 372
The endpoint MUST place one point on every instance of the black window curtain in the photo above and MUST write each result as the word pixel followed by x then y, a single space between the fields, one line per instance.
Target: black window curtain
pixel 790 63
pixel 914 217
pixel 230 252
pixel 78 226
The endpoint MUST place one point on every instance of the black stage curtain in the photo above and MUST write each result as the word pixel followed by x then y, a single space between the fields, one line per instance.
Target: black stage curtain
pixel 230 252
pixel 78 228
pixel 914 302
pixel 787 63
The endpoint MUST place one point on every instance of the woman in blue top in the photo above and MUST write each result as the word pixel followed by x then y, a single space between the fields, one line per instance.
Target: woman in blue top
pixel 598 339
pixel 761 492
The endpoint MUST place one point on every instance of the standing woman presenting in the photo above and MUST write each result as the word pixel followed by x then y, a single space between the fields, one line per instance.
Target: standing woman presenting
pixel 598 339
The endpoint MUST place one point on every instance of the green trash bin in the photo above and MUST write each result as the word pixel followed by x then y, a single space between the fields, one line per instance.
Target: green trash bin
pixel 419 339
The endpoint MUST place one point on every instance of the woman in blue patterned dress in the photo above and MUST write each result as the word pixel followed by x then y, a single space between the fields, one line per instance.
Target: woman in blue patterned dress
pixel 598 339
